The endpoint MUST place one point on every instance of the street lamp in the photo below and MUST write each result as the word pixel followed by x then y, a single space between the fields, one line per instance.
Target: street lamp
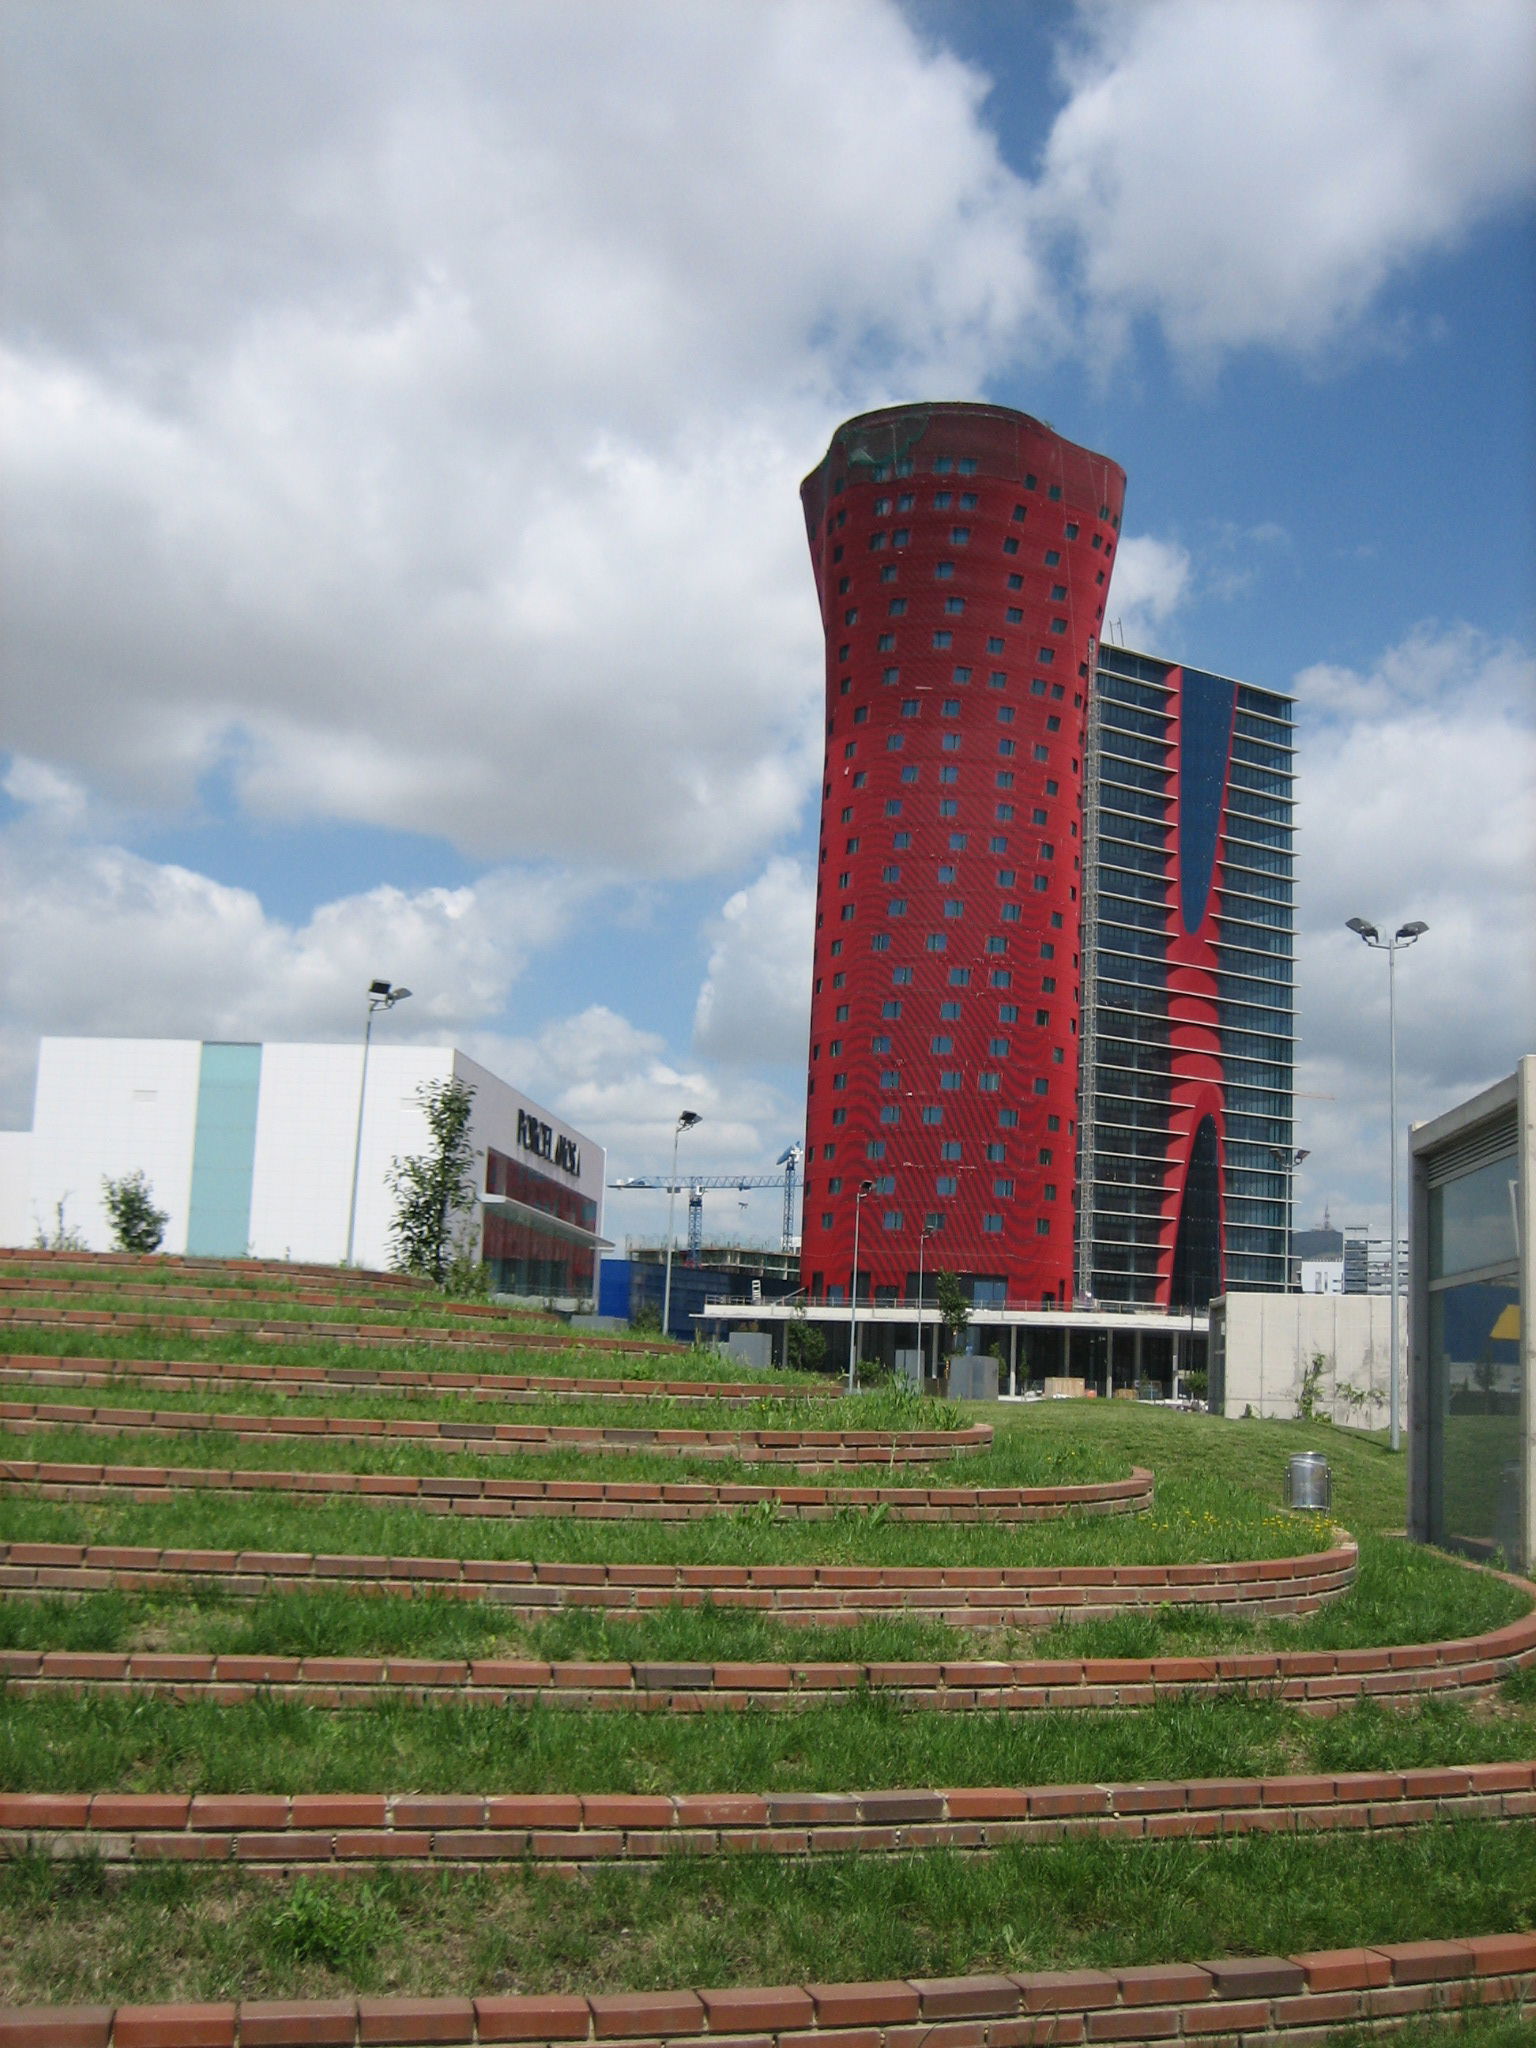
pixel 1400 940
pixel 866 1187
pixel 922 1238
pixel 685 1122
pixel 1289 1159
pixel 380 997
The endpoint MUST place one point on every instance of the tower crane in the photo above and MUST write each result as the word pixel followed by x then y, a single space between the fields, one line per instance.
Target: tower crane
pixel 696 1185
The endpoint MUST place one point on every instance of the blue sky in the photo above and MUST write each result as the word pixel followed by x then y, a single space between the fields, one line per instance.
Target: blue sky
pixel 406 411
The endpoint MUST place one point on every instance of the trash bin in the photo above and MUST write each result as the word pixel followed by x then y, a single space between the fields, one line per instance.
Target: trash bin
pixel 1308 1481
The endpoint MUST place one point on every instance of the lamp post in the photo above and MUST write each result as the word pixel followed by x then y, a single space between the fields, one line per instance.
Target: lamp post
pixel 380 997
pixel 1401 939
pixel 922 1240
pixel 866 1187
pixel 1289 1159
pixel 685 1122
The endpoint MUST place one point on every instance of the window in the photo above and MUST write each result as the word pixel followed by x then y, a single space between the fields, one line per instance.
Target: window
pixel 882 508
pixel 951 707
pixel 877 541
pixel 954 604
pixel 909 774
pixel 826 1219
pixel 1007 1119
pixel 885 643
pixel 839 1116
pixel 1053 1123
pixel 1055 493
pixel 943 639
pixel 1011 545
pixel 1042 1086
pixel 1052 558
pixel 890 874
pixel 1042 1226
pixel 1015 580
pixel 901 537
pixel 933 1221
pixel 1043 1019
pixel 1053 723
pixel 933 1115
pixel 1038 817
pixel 1058 625
pixel 1003 1189
pixel 846 914
pixel 950 1150
pixel 1047 849
pixel 946 1184
pixel 968 499
pixel 888 573
pixel 897 907
pixel 957 841
pixel 1048 983
pixel 1001 978
pixel 890 1077
pixel 941 1045
pixel 1046 1155
pixel 1005 714
pixel 949 1013
pixel 838 1080
pixel 947 806
pixel 890 1112
pixel 1052 787
pixel 842 1014
pixel 891 1220
pixel 1040 884
pixel 1045 656
pixel 959 977
pixel 1058 593
pixel 943 571
pixel 966 465
pixel 1007 1013
pixel 861 715
pixel 992 1223
pixel 1040 753
pixel 997 1048
pixel 851 618
pixel 909 707
pixel 890 675
pixel 1003 813
pixel 901 977
pixel 890 1008
pixel 1050 1191
pixel 953 907
pixel 875 1149
pixel 880 1044
pixel 1006 877
pixel 995 945
pixel 960 536
pixel 947 874
pixel 1071 529
pixel 1004 778
pixel 894 742
pixel 935 943
pixel 900 841
pixel 942 500
pixel 897 609
pixel 951 743
pixel 949 774
pixel 851 847
pixel 961 675
pixel 1007 747
pixel 989 1083
pixel 1014 615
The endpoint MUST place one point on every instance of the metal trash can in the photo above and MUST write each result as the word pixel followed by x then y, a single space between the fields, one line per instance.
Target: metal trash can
pixel 1308 1481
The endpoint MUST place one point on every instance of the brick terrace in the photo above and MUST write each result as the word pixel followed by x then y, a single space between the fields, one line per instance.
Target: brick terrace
pixel 1272 1998
pixel 974 1596
pixel 680 1500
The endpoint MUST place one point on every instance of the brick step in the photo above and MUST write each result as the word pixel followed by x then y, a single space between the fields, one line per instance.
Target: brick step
pixel 295 1831
pixel 68 1369
pixel 966 1596
pixel 1296 1998
pixel 806 1450
pixel 358 1279
pixel 312 1295
pixel 289 1330
pixel 1315 1681
pixel 678 1501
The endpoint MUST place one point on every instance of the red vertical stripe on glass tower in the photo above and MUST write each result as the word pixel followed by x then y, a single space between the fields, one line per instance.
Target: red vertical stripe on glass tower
pixel 962 556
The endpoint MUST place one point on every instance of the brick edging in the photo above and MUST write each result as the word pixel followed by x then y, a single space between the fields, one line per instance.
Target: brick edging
pixel 282 1831
pixel 89 1369
pixel 1272 1998
pixel 961 1595
pixel 674 1501
pixel 1314 1681
pixel 288 1329
pixel 806 1449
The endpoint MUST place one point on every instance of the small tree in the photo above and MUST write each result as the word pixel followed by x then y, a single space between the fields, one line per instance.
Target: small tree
pixel 805 1345
pixel 137 1225
pixel 954 1307
pixel 64 1237
pixel 435 1189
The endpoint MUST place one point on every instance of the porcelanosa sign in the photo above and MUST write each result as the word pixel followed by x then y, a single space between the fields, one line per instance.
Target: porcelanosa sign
pixel 547 1143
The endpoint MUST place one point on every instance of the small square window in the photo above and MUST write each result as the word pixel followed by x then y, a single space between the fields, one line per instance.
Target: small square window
pixel 886 644
pixel 1011 545
pixel 1052 558
pixel 943 639
pixel 897 608
pixel 943 571
pixel 935 943
pixel 1014 615
pixel 888 573
pixel 954 604
pixel 949 775
pixel 1071 529
pixel 933 1114
pixel 948 808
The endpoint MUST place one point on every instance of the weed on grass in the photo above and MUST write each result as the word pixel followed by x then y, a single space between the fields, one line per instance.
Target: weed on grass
pixel 760 1920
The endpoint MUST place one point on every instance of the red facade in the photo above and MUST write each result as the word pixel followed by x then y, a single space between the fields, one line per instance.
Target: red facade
pixel 962 556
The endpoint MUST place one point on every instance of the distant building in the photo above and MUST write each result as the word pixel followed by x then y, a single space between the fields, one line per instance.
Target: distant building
pixel 1472 1421
pixel 250 1149
pixel 1051 1014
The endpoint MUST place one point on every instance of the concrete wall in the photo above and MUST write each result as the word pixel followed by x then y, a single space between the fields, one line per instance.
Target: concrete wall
pixel 1267 1342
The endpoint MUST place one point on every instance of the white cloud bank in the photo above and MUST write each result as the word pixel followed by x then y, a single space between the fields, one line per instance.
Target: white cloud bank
pixel 408 418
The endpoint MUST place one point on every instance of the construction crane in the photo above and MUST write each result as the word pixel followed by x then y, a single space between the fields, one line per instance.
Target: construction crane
pixel 696 1186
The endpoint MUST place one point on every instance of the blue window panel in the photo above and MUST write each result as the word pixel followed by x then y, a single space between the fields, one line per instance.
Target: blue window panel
pixel 1206 735
pixel 224 1151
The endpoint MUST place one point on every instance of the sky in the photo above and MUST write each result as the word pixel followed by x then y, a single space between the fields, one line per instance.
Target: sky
pixel 404 574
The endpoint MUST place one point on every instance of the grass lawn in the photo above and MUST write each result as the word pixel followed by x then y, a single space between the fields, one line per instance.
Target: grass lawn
pixel 175 1933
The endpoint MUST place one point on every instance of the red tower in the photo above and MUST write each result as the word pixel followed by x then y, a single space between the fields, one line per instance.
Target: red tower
pixel 962 556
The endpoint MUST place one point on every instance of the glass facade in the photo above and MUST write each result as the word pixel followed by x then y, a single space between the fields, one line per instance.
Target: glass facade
pixel 1187 985
pixel 543 1246
pixel 1471 1351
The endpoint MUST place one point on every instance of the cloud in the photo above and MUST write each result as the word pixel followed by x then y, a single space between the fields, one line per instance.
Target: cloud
pixel 94 939
pixel 620 1084
pixel 1417 801
pixel 1152 579
pixel 425 448
pixel 754 1004
pixel 1255 175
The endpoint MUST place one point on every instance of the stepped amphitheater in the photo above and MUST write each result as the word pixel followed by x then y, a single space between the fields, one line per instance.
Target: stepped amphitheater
pixel 236 1490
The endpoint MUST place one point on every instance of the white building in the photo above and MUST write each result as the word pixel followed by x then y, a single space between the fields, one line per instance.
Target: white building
pixel 250 1149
